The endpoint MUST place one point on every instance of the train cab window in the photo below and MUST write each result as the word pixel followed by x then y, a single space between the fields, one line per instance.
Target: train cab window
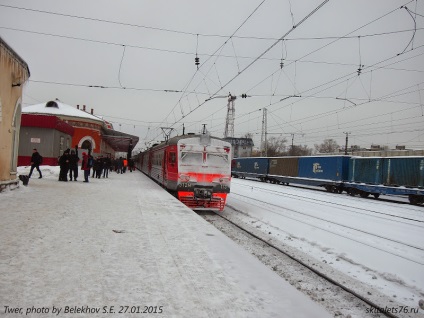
pixel 217 159
pixel 191 158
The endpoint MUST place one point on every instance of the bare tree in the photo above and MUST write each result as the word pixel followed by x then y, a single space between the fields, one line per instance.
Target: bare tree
pixel 328 146
pixel 300 151
pixel 248 135
pixel 276 146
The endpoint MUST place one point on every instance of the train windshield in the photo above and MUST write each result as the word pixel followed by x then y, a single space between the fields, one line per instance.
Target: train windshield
pixel 191 158
pixel 198 158
pixel 217 159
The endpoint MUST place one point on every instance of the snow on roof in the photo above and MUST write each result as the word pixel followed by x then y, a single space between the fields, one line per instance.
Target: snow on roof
pixel 61 110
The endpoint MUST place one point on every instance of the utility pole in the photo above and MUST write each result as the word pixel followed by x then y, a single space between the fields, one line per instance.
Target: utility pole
pixel 347 139
pixel 231 113
pixel 264 141
pixel 292 145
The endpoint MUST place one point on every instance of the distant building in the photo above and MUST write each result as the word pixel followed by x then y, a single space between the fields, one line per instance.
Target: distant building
pixel 50 135
pixel 53 127
pixel 241 147
pixel 14 72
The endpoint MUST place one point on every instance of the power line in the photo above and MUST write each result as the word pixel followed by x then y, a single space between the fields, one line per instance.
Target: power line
pixel 106 87
pixel 263 53
pixel 192 53
pixel 220 48
pixel 187 32
pixel 195 92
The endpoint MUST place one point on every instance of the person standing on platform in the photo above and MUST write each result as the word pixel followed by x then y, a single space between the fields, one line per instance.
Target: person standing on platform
pixel 85 166
pixel 106 166
pixel 99 166
pixel 119 164
pixel 36 161
pixel 124 164
pixel 73 164
pixel 131 164
pixel 64 165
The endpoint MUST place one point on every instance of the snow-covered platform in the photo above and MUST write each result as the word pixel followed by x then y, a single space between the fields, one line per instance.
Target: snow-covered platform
pixel 122 246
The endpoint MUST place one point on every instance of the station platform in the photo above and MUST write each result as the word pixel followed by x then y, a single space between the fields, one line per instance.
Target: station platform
pixel 124 247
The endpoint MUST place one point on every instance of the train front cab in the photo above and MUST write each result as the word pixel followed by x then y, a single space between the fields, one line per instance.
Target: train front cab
pixel 204 174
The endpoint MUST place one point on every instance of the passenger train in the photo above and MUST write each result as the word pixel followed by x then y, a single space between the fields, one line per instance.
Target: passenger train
pixel 363 176
pixel 195 168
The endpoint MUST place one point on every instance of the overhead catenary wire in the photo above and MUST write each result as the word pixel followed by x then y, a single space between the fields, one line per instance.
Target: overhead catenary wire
pixel 165 50
pixel 348 34
pixel 216 51
pixel 313 117
pixel 325 114
pixel 195 92
pixel 266 51
pixel 120 67
pixel 411 42
pixel 193 33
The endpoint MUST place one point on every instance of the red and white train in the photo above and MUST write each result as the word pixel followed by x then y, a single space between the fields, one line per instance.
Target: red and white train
pixel 196 168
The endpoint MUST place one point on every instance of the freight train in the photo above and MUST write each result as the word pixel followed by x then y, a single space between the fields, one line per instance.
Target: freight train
pixel 363 176
pixel 195 168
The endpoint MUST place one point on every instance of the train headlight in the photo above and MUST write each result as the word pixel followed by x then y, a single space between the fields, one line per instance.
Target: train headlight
pixel 224 180
pixel 184 178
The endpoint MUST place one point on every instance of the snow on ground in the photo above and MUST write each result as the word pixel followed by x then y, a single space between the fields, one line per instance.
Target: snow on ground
pixel 375 242
pixel 124 241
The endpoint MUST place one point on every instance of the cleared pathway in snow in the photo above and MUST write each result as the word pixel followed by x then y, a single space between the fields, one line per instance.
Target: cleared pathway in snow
pixel 124 241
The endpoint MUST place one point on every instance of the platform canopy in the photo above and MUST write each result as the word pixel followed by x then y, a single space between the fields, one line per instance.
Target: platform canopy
pixel 119 141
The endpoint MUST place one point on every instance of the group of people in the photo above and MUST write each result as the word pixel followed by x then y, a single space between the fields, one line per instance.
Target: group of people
pixel 68 163
pixel 101 165
pixel 121 165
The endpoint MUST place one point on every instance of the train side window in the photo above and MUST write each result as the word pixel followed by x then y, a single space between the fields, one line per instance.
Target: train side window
pixel 172 157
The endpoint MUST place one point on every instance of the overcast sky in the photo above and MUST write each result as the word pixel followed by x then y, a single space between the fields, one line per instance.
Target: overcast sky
pixel 140 56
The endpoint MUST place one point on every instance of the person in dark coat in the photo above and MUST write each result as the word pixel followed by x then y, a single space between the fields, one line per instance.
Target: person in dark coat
pixel 73 164
pixel 120 165
pixel 85 166
pixel 64 165
pixel 131 165
pixel 99 166
pixel 107 163
pixel 35 163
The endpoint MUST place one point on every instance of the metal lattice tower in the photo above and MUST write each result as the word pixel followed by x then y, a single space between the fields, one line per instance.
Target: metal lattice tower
pixel 264 143
pixel 231 113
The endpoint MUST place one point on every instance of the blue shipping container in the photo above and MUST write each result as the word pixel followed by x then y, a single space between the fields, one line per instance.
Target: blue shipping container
pixel 333 168
pixel 252 166
pixel 366 170
pixel 404 171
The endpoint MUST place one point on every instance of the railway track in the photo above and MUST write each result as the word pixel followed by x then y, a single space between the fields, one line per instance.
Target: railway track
pixel 395 199
pixel 340 225
pixel 339 294
pixel 351 208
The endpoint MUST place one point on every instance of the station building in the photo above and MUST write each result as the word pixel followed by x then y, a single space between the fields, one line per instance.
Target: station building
pixel 53 127
pixel 14 73
pixel 241 147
